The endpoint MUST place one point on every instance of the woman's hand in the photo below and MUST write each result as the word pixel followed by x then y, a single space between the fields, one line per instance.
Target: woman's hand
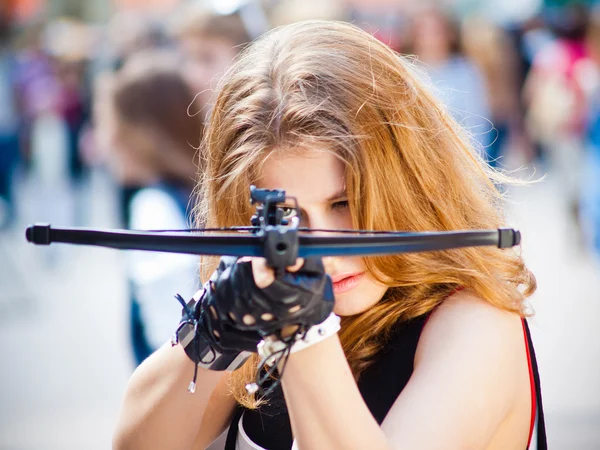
pixel 244 301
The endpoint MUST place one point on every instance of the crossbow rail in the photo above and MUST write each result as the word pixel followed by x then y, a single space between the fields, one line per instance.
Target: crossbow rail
pixel 245 244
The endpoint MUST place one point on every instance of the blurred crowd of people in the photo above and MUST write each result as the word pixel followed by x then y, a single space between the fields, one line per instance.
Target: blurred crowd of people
pixel 131 97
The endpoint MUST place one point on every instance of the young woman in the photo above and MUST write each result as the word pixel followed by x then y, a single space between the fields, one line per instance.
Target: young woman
pixel 432 350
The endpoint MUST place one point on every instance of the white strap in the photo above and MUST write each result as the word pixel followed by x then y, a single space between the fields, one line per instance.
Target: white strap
pixel 270 345
pixel 318 333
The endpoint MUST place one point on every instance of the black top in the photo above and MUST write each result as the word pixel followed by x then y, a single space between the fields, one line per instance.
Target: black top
pixel 380 385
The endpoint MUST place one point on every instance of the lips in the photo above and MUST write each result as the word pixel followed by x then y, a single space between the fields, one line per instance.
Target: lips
pixel 346 282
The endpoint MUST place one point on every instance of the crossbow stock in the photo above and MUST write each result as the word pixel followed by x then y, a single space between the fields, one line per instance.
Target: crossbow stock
pixel 274 237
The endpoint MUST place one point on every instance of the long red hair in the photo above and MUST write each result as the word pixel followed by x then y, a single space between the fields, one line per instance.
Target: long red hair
pixel 409 166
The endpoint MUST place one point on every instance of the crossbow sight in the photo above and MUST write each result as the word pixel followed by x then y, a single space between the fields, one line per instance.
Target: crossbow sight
pixel 280 236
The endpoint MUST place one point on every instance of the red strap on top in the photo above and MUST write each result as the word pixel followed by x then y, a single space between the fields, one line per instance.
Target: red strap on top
pixel 532 384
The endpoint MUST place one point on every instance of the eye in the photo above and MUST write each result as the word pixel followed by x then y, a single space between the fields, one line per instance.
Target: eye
pixel 341 204
pixel 289 212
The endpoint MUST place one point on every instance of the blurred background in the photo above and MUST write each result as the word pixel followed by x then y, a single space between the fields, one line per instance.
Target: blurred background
pixel 101 103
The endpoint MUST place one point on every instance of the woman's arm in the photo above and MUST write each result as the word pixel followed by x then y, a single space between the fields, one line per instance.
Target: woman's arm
pixel 325 406
pixel 470 373
pixel 159 413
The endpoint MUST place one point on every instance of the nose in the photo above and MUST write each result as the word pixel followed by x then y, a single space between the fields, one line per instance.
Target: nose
pixel 322 221
pixel 329 262
pixel 319 222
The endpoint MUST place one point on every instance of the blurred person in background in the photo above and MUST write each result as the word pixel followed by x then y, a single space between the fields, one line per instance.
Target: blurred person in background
pixel 128 33
pixel 70 48
pixel 9 121
pixel 69 43
pixel 143 123
pixel 34 75
pixel 556 102
pixel 53 98
pixel 590 183
pixel 45 137
pixel 208 42
pixel 491 48
pixel 435 39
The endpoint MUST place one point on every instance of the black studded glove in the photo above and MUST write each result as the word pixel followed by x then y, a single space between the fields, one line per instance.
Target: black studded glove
pixel 238 314
pixel 231 315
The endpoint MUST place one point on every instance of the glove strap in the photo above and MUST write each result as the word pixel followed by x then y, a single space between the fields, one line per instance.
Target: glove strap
pixel 189 335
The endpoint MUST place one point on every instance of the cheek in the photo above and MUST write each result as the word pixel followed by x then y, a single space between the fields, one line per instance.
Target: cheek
pixel 341 219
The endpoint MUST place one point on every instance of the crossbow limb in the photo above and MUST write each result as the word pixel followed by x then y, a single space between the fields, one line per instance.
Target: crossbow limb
pixel 271 236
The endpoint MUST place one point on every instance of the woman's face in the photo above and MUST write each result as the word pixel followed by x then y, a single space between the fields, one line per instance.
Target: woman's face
pixel 317 180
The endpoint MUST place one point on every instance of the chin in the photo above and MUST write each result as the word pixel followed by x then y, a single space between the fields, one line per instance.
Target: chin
pixel 347 308
pixel 358 300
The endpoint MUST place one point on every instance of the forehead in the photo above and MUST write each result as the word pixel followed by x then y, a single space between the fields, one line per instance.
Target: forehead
pixel 309 175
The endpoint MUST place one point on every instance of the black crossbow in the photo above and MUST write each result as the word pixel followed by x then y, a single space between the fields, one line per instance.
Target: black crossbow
pixel 273 236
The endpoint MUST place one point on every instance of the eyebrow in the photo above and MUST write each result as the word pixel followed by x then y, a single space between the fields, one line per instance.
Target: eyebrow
pixel 341 193
pixel 336 196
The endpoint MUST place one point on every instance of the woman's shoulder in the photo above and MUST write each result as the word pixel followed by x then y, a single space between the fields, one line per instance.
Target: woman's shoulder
pixel 469 332
pixel 465 304
pixel 465 315
pixel 470 368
